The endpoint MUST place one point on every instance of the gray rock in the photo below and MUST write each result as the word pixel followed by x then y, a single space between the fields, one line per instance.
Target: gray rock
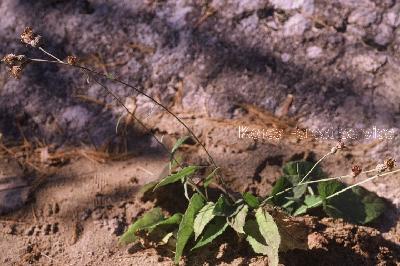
pixel 392 17
pixel 307 6
pixel 314 52
pixel 285 57
pixel 363 17
pixel 385 35
pixel 369 62
pixel 296 25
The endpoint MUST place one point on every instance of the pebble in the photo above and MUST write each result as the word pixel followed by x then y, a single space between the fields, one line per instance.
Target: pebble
pixel 369 63
pixel 296 25
pixel 385 35
pixel 314 52
pixel 363 17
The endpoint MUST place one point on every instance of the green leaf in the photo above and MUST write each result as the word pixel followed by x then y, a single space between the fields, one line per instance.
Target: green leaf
pixel 174 219
pixel 187 171
pixel 268 228
pixel 356 205
pixel 148 219
pixel 374 206
pixel 325 189
pixel 251 200
pixel 310 200
pixel 258 243
pixel 255 238
pixel 223 207
pixel 301 210
pixel 204 216
pixel 237 222
pixel 179 143
pixel 299 169
pixel 186 226
pixel 146 188
pixel 213 230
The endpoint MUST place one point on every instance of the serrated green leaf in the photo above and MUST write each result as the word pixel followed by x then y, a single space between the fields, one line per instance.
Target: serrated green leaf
pixel 223 207
pixel 186 226
pixel 204 216
pixel 356 205
pixel 237 222
pixel 213 230
pixel 374 206
pixel 150 218
pixel 257 241
pixel 251 200
pixel 268 228
pixel 187 171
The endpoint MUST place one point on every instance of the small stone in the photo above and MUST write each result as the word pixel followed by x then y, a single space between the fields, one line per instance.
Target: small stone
pixel 296 25
pixel 384 36
pixel 369 63
pixel 363 17
pixel 314 52
pixel 393 18
pixel 285 57
pixel 307 6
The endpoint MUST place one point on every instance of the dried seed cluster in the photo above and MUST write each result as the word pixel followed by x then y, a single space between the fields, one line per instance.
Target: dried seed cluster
pixel 15 64
pixel 30 38
pixel 356 170
pixel 72 60
pixel 388 164
pixel 339 146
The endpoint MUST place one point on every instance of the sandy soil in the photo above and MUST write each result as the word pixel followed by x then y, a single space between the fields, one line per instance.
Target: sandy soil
pixel 76 215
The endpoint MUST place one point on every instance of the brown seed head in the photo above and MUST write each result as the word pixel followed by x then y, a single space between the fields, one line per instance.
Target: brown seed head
pixel 13 60
pixel 381 168
pixel 356 170
pixel 30 38
pixel 16 71
pixel 72 60
pixel 339 146
pixel 390 163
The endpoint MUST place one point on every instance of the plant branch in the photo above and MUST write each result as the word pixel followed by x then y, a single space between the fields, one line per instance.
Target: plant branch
pixel 317 181
pixel 354 185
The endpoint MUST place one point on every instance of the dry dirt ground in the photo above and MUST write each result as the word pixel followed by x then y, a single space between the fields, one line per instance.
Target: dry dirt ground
pixel 74 217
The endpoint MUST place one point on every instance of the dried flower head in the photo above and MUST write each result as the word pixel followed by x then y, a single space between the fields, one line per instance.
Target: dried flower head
pixel 339 146
pixel 16 71
pixel 15 63
pixel 390 163
pixel 356 170
pixel 72 60
pixel 381 168
pixel 13 60
pixel 30 38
